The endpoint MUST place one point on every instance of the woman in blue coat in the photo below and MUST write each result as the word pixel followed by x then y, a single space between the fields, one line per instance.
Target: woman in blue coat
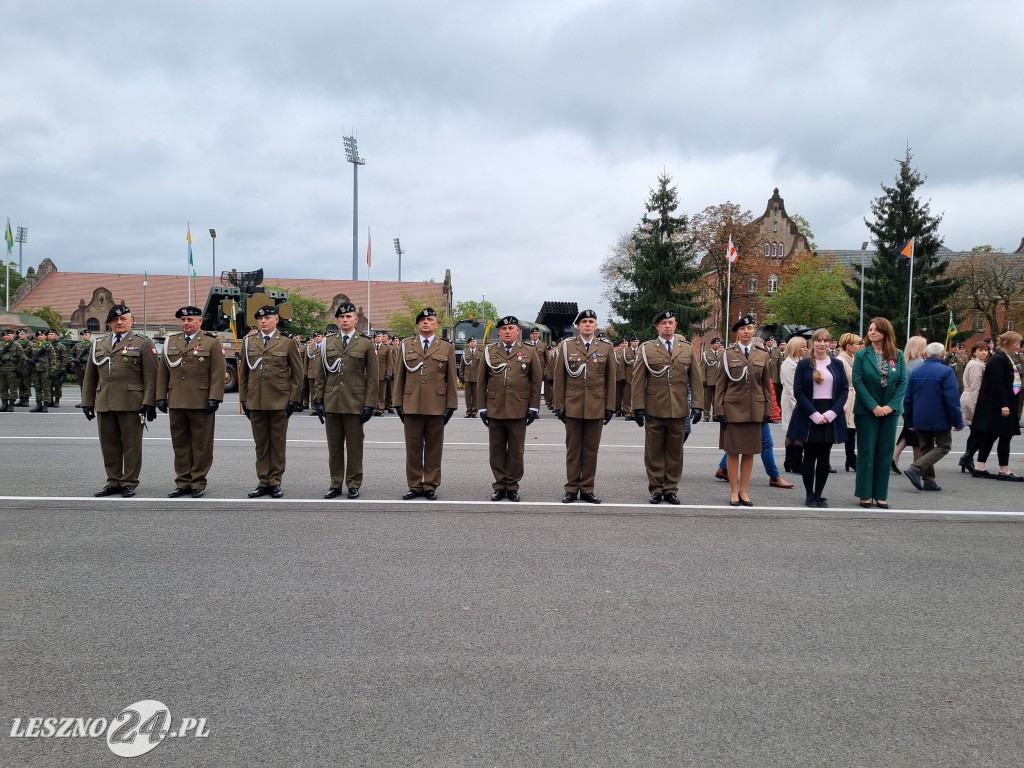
pixel 880 381
pixel 820 387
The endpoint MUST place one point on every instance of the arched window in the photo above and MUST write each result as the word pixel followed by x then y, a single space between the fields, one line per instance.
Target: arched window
pixel 773 283
pixel 782 250
pixel 767 250
pixel 752 284
pixel 92 324
pixel 773 250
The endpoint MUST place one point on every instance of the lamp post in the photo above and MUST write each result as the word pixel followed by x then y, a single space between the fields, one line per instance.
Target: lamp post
pixel 20 238
pixel 352 155
pixel 863 250
pixel 213 237
pixel 399 251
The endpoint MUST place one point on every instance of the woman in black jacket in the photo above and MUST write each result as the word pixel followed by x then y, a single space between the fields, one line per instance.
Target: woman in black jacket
pixel 995 415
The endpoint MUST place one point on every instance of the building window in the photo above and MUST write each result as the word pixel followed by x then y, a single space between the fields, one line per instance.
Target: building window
pixel 753 314
pixel 752 284
pixel 773 283
pixel 767 250
pixel 775 226
pixel 782 250
pixel 92 324
pixel 979 323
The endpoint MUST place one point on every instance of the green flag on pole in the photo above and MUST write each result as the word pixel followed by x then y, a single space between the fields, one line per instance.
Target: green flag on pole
pixel 9 237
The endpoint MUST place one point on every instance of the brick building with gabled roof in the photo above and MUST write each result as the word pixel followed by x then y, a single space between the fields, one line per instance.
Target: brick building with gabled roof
pixel 83 298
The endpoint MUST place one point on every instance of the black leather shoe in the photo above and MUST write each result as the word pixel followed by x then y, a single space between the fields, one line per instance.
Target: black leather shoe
pixel 128 491
pixel 589 498
pixel 198 493
pixel 107 490
pixel 275 491
pixel 655 498
pixel 822 502
pixel 914 478
pixel 353 493
pixel 498 495
pixel 430 494
pixel 746 503
pixel 568 497
pixel 512 495
pixel 671 498
pixel 177 493
pixel 258 491
pixel 332 493
pixel 412 493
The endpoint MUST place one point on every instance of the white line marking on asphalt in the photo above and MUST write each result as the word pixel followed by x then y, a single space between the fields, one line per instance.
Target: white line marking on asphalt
pixel 507 505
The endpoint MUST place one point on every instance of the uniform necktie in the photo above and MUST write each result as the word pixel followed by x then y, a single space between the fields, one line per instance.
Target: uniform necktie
pixel 266 340
pixel 508 349
pixel 344 342
pixel 746 351
pixel 188 340
pixel 668 346
pixel 426 343
pixel 117 339
pixel 587 345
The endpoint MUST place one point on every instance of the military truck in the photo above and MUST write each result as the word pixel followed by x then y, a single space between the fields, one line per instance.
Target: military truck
pixel 229 313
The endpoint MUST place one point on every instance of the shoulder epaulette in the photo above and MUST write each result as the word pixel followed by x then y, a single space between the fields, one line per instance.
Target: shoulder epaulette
pixel 211 334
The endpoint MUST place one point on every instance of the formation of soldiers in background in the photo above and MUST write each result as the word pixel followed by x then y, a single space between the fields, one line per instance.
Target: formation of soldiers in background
pixel 585 379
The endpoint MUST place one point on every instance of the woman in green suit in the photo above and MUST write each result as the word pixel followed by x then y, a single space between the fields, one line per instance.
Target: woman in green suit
pixel 880 381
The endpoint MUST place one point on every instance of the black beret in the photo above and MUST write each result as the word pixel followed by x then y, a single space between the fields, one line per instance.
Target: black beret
pixel 40 333
pixel 345 308
pixel 50 330
pixel 116 311
pixel 471 338
pixel 634 338
pixel 6 331
pixel 426 312
pixel 535 330
pixel 665 314
pixel 188 311
pixel 266 310
pixel 586 314
pixel 509 320
pixel 318 333
pixel 744 320
pixel 716 340
pixel 770 338
pixel 84 331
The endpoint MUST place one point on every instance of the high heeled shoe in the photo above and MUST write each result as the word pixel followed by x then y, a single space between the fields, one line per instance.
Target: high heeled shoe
pixel 895 468
pixel 851 464
pixel 966 464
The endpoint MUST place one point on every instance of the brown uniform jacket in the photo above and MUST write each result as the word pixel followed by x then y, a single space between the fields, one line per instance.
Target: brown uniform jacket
pixel 384 358
pixel 189 378
pixel 660 382
pixel 430 388
pixel 711 364
pixel 125 378
pixel 470 364
pixel 269 378
pixel 775 363
pixel 353 386
pixel 311 358
pixel 508 385
pixel 743 395
pixel 592 392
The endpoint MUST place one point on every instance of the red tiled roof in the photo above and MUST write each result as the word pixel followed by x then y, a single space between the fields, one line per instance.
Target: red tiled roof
pixel 64 291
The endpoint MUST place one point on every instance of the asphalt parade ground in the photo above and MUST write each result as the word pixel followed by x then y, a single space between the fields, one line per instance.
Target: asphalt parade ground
pixel 464 632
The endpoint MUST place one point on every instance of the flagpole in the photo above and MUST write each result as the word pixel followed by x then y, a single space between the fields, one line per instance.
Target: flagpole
pixel 188 274
pixel 949 336
pixel 910 291
pixel 145 316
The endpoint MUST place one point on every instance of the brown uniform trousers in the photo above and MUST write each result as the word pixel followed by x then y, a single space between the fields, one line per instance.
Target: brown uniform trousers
pixel 348 387
pixel 711 364
pixel 310 364
pixel 188 377
pixel 508 385
pixel 584 392
pixel 424 392
pixel 385 368
pixel 119 381
pixel 468 368
pixel 660 385
pixel 743 394
pixel 268 377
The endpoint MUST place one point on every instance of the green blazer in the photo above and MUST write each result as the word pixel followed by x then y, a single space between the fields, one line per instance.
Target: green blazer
pixel 867 382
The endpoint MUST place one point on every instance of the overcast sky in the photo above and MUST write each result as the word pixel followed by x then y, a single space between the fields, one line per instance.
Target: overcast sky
pixel 511 143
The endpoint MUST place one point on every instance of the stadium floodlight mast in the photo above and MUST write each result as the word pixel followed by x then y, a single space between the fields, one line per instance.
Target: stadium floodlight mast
pixel 21 237
pixel 399 251
pixel 352 155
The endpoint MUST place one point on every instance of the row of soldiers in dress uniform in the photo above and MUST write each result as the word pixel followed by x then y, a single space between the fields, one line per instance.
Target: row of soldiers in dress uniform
pixel 127 381
pixel 41 364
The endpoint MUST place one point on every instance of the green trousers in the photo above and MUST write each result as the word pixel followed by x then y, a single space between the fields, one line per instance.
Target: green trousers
pixel 876 441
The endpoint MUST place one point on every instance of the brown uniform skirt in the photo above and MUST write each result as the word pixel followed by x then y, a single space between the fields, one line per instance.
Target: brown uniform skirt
pixel 741 437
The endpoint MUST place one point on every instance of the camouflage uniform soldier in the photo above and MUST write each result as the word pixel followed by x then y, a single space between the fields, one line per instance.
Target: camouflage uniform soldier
pixel 24 372
pixel 119 391
pixel 79 356
pixel 10 361
pixel 42 362
pixel 60 371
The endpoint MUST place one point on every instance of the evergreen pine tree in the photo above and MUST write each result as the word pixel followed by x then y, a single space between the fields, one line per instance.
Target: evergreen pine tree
pixel 899 217
pixel 663 273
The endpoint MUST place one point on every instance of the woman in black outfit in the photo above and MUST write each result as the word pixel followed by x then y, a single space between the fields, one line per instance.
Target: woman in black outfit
pixel 996 416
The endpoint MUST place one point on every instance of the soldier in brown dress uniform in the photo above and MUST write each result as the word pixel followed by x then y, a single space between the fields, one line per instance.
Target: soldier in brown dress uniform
pixel 508 387
pixel 629 359
pixel 584 400
pixel 343 398
pixel 311 364
pixel 190 386
pixel 468 368
pixel 384 370
pixel 426 396
pixel 270 391
pixel 743 404
pixel 711 364
pixel 119 391
pixel 665 371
